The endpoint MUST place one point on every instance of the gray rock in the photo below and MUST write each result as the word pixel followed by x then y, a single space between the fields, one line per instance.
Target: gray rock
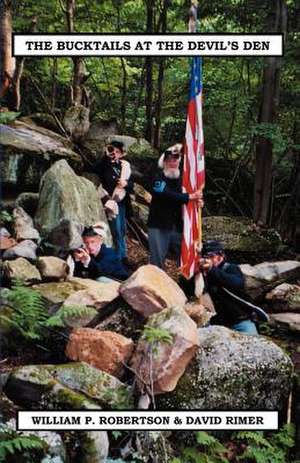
pixel 26 249
pixel 290 321
pixel 29 150
pixel 21 269
pixel 95 139
pixel 94 447
pixel 64 195
pixel 284 298
pixel 62 387
pixel 262 277
pixel 232 371
pixel 97 385
pixel 23 226
pixel 52 268
pixel 34 387
pixel 76 121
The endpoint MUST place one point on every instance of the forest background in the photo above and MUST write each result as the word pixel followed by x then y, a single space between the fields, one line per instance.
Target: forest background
pixel 251 105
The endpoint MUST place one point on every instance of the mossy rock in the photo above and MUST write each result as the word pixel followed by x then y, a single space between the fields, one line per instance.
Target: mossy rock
pixel 67 386
pixel 33 387
pixel 141 149
pixel 107 390
pixel 58 292
pixel 232 371
pixel 239 234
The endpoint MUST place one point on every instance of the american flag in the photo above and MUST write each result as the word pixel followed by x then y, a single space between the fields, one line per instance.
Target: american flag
pixel 193 170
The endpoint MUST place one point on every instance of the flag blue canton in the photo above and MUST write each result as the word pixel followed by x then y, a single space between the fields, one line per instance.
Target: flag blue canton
pixel 196 77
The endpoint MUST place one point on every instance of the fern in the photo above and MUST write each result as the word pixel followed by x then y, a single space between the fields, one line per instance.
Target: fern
pixel 30 316
pixel 12 444
pixel 67 312
pixel 29 311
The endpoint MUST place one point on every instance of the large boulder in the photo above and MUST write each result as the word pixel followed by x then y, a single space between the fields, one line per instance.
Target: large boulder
pixel 232 371
pixel 30 383
pixel 239 235
pixel 150 290
pixel 26 249
pixel 64 195
pixel 98 385
pixel 77 121
pixel 159 364
pixel 262 277
pixel 58 292
pixel 34 387
pixel 284 298
pixel 52 268
pixel 21 269
pixel 104 350
pixel 98 295
pixel 23 226
pixel 29 150
pixel 94 141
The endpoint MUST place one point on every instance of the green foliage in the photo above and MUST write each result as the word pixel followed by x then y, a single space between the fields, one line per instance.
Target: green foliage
pixel 30 316
pixel 65 313
pixel 8 116
pixel 154 336
pixel 260 449
pixel 250 447
pixel 14 447
pixel 273 133
pixel 5 217
pixel 29 312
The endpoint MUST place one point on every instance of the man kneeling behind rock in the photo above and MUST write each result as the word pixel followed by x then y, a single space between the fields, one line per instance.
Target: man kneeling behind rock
pixel 95 260
pixel 225 283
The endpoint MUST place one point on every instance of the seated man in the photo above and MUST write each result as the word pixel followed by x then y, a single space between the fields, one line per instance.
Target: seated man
pixel 97 261
pixel 225 284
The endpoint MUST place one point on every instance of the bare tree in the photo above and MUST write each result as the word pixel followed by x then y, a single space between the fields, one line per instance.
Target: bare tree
pixel 7 62
pixel 268 112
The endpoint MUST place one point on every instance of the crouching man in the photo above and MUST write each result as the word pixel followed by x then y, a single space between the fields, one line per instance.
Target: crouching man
pixel 225 283
pixel 95 260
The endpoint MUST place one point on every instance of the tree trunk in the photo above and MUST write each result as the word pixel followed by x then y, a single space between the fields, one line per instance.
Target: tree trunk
pixel 7 62
pixel 268 110
pixel 162 28
pixel 149 76
pixel 79 73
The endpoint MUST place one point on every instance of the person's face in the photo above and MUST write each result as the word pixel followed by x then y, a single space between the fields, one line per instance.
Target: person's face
pixel 172 162
pixel 113 153
pixel 93 244
pixel 215 259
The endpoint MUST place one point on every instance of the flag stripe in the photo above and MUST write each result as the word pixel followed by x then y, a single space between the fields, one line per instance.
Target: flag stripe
pixel 193 169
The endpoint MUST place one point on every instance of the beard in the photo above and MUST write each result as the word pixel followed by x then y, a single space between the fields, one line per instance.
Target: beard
pixel 171 172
